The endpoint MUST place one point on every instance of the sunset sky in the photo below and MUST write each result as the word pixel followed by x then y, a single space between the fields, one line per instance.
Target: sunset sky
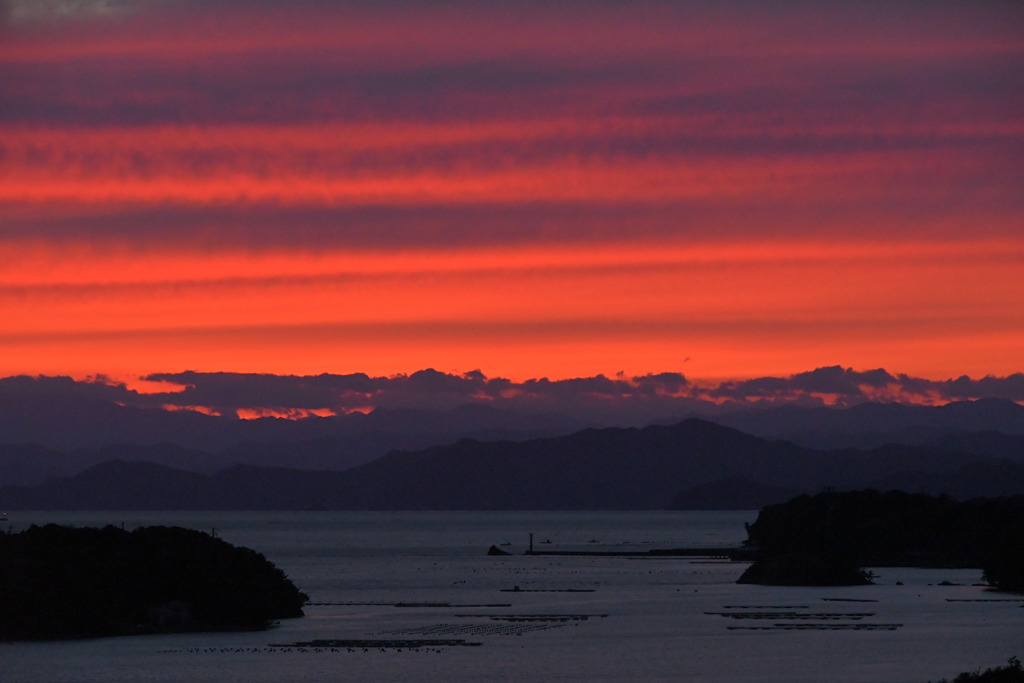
pixel 532 189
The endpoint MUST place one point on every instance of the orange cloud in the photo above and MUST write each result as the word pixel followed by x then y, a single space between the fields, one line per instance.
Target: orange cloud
pixel 917 303
pixel 560 193
pixel 293 178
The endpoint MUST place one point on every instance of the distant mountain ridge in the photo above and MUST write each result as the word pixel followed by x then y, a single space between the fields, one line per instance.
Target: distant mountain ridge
pixel 41 439
pixel 652 468
pixel 64 443
pixel 875 424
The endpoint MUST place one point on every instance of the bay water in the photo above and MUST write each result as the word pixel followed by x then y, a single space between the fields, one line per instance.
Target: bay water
pixel 384 577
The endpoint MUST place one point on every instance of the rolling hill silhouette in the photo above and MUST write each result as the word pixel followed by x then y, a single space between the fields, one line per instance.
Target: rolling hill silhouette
pixel 693 463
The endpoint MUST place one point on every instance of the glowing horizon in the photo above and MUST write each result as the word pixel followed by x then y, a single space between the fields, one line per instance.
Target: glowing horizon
pixel 547 191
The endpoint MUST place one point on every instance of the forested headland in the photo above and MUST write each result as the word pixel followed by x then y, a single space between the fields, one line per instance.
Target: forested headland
pixel 63 582
pixel 830 537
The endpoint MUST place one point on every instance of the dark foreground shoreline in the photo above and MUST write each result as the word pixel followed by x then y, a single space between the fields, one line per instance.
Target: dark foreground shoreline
pixel 828 539
pixel 60 582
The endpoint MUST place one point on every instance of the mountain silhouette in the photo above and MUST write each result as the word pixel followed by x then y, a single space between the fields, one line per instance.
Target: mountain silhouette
pixel 61 435
pixel 610 469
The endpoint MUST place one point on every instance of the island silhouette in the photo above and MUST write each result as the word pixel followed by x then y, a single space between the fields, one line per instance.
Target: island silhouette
pixel 59 582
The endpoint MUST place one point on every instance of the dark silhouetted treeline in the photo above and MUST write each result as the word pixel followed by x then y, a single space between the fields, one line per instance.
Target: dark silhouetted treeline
pixel 61 582
pixel 1011 673
pixel 873 529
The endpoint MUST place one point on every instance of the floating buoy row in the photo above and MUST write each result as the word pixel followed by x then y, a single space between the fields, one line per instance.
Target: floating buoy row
pixel 534 617
pixel 290 649
pixel 471 629
pixel 517 589
pixel 218 650
pixel 368 603
pixel 373 643
pixel 765 607
pixel 794 615
pixel 818 627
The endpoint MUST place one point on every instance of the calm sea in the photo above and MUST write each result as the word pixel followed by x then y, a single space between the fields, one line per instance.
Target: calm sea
pixel 425 575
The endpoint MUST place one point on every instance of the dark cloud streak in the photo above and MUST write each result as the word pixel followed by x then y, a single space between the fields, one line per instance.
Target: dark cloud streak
pixel 657 395
pixel 417 226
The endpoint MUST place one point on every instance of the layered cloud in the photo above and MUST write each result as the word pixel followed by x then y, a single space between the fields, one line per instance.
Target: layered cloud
pixel 667 391
pixel 836 385
pixel 545 189
pixel 618 398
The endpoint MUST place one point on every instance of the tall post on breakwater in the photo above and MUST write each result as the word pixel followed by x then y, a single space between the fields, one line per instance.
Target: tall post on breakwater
pixel 531 542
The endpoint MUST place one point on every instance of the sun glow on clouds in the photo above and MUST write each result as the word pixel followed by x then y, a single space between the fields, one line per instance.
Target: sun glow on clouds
pixel 537 191
pixel 285 413
pixel 247 396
